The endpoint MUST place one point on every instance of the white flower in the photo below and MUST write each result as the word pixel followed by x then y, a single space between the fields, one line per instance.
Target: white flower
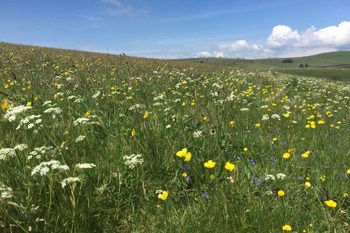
pixel 56 110
pixel 280 176
pixel 5 192
pixel 29 121
pixel 168 126
pixel 44 167
pixel 98 93
pixel 47 103
pixel 85 165
pixel 69 180
pixel 21 147
pixel 276 116
pixel 269 192
pixel 197 133
pixel 80 138
pixel 244 109
pixel 81 121
pixel 132 160
pixel 269 177
pixel 265 117
pixel 11 114
pixel 5 153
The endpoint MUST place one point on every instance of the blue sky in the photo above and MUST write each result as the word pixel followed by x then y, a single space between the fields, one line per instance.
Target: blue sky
pixel 179 28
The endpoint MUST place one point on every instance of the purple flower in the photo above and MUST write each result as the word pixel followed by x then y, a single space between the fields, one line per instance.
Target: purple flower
pixel 252 162
pixel 187 167
pixel 256 180
pixel 205 195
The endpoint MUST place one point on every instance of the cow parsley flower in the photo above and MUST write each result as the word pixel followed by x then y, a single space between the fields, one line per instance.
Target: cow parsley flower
pixel 5 153
pixel 131 161
pixel 197 133
pixel 85 165
pixel 80 138
pixel 81 121
pixel 13 112
pixel 5 191
pixel 44 167
pixel 280 176
pixel 69 180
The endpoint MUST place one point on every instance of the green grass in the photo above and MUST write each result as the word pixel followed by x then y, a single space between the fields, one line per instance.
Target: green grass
pixel 333 65
pixel 88 108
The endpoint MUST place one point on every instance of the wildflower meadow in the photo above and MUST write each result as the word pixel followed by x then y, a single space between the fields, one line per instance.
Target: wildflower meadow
pixel 109 143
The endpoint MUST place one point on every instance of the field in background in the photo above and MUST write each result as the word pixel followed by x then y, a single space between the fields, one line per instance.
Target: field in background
pixel 106 143
pixel 333 65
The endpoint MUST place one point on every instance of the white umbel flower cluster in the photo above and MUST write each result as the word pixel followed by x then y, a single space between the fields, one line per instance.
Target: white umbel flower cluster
pixel 131 161
pixel 44 167
pixel 12 113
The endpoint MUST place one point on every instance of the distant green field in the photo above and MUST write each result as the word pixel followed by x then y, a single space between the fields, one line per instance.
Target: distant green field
pixel 333 65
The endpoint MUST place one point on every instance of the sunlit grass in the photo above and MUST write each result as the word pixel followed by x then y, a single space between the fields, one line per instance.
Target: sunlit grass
pixel 102 143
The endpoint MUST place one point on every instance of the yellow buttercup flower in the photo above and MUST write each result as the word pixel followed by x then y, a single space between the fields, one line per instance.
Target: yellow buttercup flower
pixel 348 172
pixel 4 104
pixel 146 115
pixel 286 155
pixel 133 133
pixel 281 193
pixel 87 114
pixel 229 166
pixel 163 196
pixel 184 154
pixel 307 184
pixel 331 203
pixel 287 228
pixel 209 164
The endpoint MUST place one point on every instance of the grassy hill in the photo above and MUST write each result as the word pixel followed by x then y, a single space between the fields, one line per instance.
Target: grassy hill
pixel 108 143
pixel 333 65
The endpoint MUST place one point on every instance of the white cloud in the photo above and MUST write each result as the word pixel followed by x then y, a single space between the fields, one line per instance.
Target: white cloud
pixel 285 41
pixel 282 35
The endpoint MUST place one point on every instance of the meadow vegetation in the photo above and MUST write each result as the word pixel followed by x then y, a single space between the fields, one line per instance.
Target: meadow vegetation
pixel 106 143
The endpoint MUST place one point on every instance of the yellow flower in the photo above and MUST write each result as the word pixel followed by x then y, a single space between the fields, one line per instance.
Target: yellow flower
pixel 306 154
pixel 281 193
pixel 245 148
pixel 320 122
pixel 205 118
pixel 307 184
pixel 188 157
pixel 209 164
pixel 331 203
pixel 348 172
pixel 4 104
pixel 133 133
pixel 286 115
pixel 163 196
pixel 286 155
pixel 287 228
pixel 184 174
pixel 257 125
pixel 146 115
pixel 181 153
pixel 232 123
pixel 291 150
pixel 29 103
pixel 229 166
pixel 184 154
pixel 87 114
